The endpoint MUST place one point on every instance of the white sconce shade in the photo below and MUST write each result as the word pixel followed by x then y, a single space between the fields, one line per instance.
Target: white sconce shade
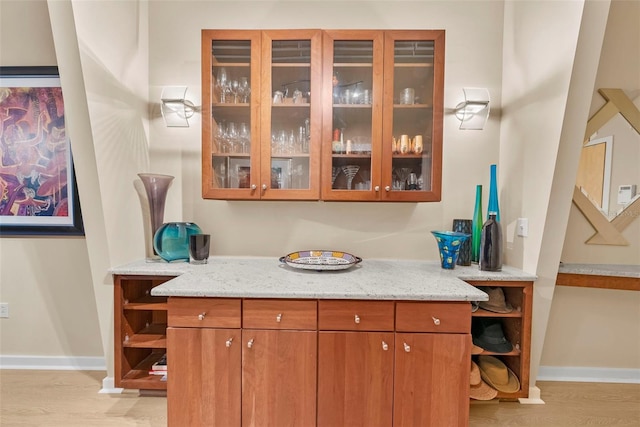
pixel 474 111
pixel 175 109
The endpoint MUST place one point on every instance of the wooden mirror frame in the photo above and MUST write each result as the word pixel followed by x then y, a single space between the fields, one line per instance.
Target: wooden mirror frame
pixel 609 232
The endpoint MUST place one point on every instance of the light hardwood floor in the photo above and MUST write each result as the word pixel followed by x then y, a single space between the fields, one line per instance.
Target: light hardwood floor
pixel 70 398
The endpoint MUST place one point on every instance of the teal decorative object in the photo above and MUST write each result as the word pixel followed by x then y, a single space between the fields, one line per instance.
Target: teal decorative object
pixel 493 194
pixel 171 241
pixel 477 226
pixel 449 243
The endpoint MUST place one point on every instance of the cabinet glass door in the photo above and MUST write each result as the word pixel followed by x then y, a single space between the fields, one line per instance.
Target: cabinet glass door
pixel 413 103
pixel 352 78
pixel 231 82
pixel 291 114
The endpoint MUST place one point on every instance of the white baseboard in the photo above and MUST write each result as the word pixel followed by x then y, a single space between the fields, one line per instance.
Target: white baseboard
pixel 591 375
pixel 45 363
pixel 109 386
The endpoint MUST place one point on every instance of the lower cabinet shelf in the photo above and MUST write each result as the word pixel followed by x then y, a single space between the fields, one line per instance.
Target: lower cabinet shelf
pixel 140 324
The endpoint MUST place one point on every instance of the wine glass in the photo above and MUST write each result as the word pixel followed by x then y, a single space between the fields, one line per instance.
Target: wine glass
pixel 350 172
pixel 234 86
pixel 245 89
pixel 221 80
pixel 244 136
pixel 334 174
pixel 403 174
pixel 232 137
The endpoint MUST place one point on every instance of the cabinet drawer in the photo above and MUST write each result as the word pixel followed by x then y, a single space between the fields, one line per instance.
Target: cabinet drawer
pixel 279 314
pixel 433 317
pixel 355 315
pixel 204 312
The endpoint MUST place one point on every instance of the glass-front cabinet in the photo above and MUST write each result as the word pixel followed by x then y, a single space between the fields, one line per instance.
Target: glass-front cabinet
pixel 343 115
pixel 413 116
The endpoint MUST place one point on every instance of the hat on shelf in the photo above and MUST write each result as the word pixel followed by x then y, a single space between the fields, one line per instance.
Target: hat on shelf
pixel 476 350
pixel 478 389
pixel 487 333
pixel 497 302
pixel 497 375
pixel 474 306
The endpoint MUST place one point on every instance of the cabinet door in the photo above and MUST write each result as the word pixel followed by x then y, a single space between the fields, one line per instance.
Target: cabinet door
pixel 203 377
pixel 291 115
pixel 278 378
pixel 413 115
pixel 431 383
pixel 230 114
pixel 352 115
pixel 355 379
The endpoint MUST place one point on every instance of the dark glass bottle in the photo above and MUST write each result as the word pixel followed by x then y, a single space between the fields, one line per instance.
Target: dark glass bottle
pixel 491 245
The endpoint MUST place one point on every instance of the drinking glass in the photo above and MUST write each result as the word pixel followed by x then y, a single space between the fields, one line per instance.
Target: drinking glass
pixel 244 136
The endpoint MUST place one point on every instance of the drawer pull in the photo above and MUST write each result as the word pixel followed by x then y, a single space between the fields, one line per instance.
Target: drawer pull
pixel 279 317
pixel 356 319
pixel 407 347
pixel 250 343
pixel 385 346
pixel 228 342
pixel 436 321
pixel 201 315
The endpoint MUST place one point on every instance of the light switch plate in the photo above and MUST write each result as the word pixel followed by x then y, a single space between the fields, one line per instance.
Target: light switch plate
pixel 523 227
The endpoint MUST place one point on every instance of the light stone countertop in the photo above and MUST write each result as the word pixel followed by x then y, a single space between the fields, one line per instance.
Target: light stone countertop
pixel 614 270
pixel 264 277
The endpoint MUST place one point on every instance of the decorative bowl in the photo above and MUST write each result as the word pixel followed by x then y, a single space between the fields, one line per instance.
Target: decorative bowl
pixel 171 241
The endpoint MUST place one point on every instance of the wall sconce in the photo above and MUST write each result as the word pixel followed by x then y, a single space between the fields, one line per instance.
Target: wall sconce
pixel 474 111
pixel 176 110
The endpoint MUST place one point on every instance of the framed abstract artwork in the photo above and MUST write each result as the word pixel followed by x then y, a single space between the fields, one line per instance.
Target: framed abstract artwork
pixel 38 191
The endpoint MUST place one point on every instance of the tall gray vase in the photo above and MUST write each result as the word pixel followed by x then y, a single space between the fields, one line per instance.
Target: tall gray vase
pixel 156 187
pixel 464 226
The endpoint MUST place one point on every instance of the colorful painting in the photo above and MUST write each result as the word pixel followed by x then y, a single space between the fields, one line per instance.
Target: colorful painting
pixel 38 194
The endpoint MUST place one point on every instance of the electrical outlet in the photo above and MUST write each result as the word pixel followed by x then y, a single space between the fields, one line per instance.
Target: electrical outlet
pixel 4 309
pixel 523 227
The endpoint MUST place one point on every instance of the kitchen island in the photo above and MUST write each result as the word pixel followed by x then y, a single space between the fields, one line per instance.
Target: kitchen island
pixel 252 341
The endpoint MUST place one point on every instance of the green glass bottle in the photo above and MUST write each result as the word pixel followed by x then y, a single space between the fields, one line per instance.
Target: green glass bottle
pixel 476 226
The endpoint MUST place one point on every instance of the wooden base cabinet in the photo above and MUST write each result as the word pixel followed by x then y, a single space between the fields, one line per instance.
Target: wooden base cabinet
pixel 328 363
pixel 355 371
pixel 431 373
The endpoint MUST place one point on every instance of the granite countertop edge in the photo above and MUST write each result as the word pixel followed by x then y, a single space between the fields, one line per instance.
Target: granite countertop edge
pixel 612 270
pixel 372 279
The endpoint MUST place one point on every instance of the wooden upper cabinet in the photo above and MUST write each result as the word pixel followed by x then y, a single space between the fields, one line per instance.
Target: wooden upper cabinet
pixel 412 116
pixel 312 114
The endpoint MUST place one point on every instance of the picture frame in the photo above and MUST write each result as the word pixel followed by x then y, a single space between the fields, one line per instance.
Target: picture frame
pixel 38 189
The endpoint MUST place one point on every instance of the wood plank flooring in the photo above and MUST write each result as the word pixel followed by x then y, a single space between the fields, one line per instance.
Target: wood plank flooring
pixel 70 399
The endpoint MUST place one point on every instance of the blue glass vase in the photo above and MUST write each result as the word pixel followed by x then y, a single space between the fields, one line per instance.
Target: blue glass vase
pixel 449 243
pixel 171 241
pixel 493 193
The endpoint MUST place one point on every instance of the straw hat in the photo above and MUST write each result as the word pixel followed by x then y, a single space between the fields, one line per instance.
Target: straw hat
pixel 497 374
pixel 479 390
pixel 497 302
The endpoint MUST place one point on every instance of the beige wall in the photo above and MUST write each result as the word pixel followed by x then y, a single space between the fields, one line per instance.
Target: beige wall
pixel 585 324
pixel 117 73
pixel 46 281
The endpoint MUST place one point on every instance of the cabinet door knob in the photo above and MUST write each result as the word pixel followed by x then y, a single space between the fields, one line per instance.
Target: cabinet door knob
pixel 387 188
pixel 279 317
pixel 376 188
pixel 356 318
pixel 228 342
pixel 202 315
pixel 385 346
pixel 250 343
pixel 436 321
pixel 253 187
pixel 407 347
pixel 264 187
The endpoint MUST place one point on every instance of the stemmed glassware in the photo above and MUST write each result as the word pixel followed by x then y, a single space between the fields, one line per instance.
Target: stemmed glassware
pixel 350 172
pixel 244 90
pixel 334 174
pixel 402 174
pixel 222 81
pixel 244 136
